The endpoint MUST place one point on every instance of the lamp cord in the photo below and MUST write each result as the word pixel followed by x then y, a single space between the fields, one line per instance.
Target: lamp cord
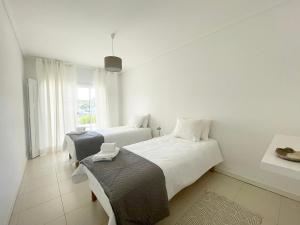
pixel 112 46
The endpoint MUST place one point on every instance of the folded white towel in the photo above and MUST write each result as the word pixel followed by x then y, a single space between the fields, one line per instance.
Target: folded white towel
pixel 77 132
pixel 107 153
pixel 108 148
pixel 80 129
pixel 105 156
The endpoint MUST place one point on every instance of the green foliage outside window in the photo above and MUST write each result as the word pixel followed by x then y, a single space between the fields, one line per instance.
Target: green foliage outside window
pixel 87 119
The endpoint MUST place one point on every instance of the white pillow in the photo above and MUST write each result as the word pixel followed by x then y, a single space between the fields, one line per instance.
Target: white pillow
pixel 206 129
pixel 189 129
pixel 136 121
pixel 146 121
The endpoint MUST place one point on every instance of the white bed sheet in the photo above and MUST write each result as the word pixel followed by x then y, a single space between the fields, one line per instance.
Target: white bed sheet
pixel 122 136
pixel 182 162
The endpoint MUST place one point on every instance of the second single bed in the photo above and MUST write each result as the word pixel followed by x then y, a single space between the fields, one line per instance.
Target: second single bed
pixel 123 135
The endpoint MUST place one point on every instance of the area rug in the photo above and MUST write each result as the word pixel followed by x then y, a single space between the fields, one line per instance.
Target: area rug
pixel 213 209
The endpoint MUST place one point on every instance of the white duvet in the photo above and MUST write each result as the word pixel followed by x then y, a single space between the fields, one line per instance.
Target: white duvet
pixel 182 161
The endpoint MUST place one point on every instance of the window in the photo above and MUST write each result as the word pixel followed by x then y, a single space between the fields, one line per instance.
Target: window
pixel 86 107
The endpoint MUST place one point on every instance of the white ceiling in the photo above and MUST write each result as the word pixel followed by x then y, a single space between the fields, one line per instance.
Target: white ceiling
pixel 78 30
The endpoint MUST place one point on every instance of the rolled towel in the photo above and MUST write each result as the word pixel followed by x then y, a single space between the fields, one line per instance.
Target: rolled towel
pixel 105 156
pixel 108 148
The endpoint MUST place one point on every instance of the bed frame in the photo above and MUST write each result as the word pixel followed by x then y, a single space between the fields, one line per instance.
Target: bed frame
pixel 97 193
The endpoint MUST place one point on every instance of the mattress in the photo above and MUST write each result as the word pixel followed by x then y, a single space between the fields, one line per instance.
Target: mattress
pixel 122 136
pixel 182 162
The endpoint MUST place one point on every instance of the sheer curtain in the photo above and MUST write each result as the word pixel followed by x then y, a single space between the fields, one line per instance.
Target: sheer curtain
pixel 56 102
pixel 107 98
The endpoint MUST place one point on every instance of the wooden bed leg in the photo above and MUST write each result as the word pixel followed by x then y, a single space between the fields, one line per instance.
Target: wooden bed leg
pixel 94 197
pixel 77 164
pixel 212 169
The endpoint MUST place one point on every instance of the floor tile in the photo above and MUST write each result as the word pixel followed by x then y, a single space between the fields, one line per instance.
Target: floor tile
pixel 68 186
pixel 41 214
pixel 75 200
pixel 60 221
pixel 65 174
pixel 64 166
pixel 38 196
pixel 289 212
pixel 42 162
pixel 224 185
pixel 34 173
pixel 18 205
pixel 262 202
pixel 183 200
pixel 41 182
pixel 13 219
pixel 62 157
pixel 89 215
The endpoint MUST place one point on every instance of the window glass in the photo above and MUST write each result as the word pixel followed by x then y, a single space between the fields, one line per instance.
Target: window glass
pixel 86 107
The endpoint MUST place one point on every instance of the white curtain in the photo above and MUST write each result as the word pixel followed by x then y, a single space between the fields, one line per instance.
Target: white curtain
pixel 107 98
pixel 57 102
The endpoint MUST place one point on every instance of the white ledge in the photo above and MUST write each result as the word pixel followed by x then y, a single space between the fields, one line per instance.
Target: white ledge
pixel 275 164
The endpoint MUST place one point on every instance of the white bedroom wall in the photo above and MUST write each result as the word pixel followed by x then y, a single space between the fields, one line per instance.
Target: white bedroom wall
pixel 12 132
pixel 246 77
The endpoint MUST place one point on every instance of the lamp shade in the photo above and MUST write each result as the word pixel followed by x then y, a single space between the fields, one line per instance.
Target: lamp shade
pixel 113 64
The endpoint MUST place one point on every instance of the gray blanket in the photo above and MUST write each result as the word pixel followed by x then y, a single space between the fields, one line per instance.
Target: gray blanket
pixel 135 187
pixel 87 144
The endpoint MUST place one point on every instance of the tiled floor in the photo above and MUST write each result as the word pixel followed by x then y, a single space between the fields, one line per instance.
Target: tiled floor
pixel 48 196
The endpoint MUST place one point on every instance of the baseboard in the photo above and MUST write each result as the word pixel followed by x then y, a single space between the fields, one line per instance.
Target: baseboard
pixel 260 185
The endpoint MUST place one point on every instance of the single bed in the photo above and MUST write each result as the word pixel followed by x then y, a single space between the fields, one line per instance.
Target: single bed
pixel 124 135
pixel 182 162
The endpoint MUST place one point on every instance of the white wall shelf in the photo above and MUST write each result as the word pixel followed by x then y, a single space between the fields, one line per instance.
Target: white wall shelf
pixel 275 164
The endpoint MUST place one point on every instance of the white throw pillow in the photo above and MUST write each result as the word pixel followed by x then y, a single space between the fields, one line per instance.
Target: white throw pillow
pixel 206 129
pixel 189 129
pixel 146 121
pixel 136 121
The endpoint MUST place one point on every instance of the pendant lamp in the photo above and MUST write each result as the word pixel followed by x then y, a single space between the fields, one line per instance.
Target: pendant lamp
pixel 112 63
